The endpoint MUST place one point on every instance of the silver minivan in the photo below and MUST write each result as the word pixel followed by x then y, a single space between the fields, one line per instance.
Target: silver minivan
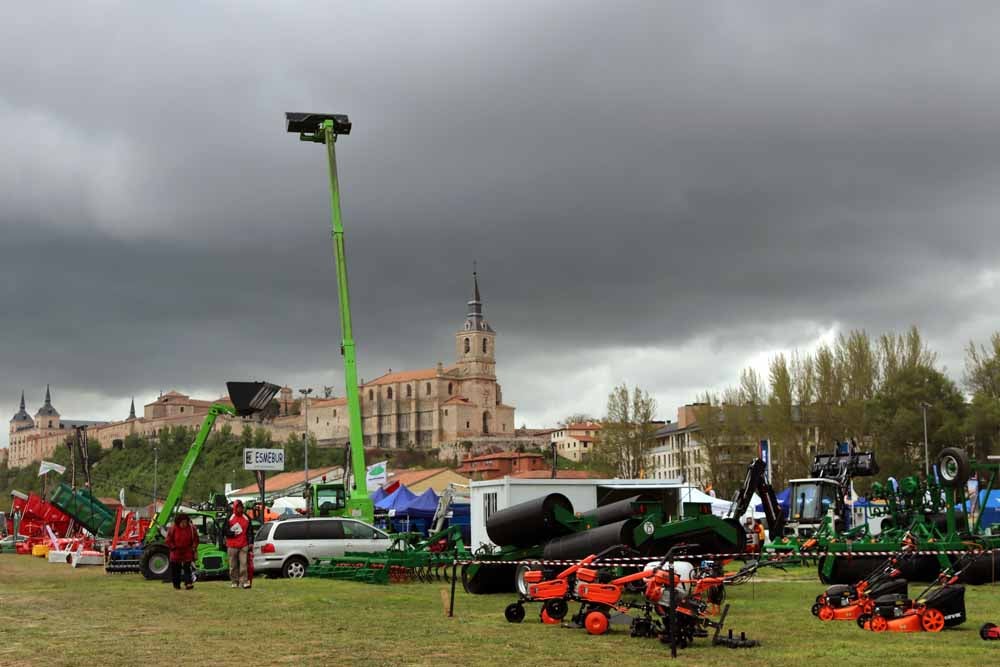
pixel 287 547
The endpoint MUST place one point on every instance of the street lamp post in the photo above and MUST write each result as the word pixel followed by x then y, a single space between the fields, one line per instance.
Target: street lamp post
pixel 927 459
pixel 305 443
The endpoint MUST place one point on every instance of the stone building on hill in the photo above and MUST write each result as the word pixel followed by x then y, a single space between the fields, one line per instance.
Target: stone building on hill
pixel 456 409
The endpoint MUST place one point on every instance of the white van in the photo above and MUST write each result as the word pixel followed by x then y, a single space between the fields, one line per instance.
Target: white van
pixel 288 546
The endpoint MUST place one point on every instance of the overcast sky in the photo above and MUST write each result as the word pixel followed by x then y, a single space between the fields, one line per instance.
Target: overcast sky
pixel 656 193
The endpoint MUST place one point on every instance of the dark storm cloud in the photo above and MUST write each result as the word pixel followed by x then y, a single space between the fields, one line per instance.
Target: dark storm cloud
pixel 627 175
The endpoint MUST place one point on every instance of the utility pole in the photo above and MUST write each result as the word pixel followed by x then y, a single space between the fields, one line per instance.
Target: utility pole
pixel 156 459
pixel 927 459
pixel 305 444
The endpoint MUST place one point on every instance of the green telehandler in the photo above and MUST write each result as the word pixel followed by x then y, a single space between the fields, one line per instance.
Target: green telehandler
pixel 152 559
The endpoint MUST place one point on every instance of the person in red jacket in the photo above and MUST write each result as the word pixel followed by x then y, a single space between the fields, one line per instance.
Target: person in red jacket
pixel 238 542
pixel 182 540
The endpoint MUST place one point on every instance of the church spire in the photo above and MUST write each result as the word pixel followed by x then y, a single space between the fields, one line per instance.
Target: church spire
pixel 48 397
pixel 47 410
pixel 474 319
pixel 131 410
pixel 22 414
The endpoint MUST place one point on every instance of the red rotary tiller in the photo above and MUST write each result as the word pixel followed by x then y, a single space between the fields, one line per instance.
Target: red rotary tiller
pixel 554 594
pixel 940 606
pixel 849 602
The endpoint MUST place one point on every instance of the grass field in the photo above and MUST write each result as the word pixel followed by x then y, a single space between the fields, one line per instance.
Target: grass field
pixel 54 615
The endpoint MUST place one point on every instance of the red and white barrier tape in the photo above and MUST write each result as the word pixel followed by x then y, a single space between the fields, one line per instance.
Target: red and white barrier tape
pixel 784 558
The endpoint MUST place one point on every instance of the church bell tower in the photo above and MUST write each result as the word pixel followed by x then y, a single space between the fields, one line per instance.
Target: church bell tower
pixel 474 343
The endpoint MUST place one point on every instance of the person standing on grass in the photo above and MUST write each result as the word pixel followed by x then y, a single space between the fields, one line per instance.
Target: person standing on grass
pixel 182 540
pixel 238 542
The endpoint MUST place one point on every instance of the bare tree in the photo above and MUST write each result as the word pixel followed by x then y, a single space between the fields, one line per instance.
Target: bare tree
pixel 627 432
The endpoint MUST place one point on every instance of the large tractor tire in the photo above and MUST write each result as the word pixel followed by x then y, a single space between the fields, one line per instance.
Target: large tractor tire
pixel 953 467
pixel 155 562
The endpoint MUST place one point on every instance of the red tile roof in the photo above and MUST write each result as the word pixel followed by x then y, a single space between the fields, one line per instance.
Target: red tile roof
pixel 405 376
pixel 583 426
pixel 327 402
pixel 284 480
pixel 462 400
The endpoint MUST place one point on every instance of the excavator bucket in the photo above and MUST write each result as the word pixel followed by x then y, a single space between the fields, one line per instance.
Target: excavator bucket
pixel 251 397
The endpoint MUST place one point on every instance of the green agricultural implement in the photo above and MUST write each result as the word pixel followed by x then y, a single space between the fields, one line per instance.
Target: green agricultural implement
pixel 85 509
pixel 548 529
pixel 926 510
pixel 409 558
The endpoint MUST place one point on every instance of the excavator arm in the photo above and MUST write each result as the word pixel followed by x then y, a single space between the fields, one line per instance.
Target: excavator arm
pixel 756 482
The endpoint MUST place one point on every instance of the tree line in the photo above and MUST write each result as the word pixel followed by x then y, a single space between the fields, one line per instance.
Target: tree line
pixel 873 390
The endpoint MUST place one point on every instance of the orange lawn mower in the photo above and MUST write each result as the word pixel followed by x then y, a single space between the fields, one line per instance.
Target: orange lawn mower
pixel 940 606
pixel 849 602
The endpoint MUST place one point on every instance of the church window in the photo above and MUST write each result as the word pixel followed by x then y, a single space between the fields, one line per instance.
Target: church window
pixel 371 395
pixel 449 389
pixel 317 420
pixel 467 425
pixel 484 346
pixel 50 423
pixel 409 391
pixel 468 346
pixel 335 412
pixel 427 388
pixel 446 412
pixel 388 392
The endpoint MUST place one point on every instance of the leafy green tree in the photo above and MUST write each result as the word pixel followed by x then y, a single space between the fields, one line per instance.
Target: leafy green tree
pixel 982 379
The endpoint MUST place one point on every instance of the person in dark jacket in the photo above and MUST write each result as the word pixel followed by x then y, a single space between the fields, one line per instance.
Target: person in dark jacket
pixel 182 540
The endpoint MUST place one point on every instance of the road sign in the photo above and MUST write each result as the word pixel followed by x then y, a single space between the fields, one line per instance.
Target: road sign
pixel 263 459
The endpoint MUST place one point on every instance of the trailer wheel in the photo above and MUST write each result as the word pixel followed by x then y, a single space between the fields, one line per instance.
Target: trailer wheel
pixel 953 466
pixel 514 613
pixel 155 562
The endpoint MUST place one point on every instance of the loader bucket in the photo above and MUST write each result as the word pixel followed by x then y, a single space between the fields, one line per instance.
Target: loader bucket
pixel 251 397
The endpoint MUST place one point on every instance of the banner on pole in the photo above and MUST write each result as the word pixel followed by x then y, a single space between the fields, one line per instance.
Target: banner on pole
pixel 48 466
pixel 765 456
pixel 378 474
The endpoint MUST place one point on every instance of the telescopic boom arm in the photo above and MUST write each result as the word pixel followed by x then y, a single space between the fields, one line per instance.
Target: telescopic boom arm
pixel 324 128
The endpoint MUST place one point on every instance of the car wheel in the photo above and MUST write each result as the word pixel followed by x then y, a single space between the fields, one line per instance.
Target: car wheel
pixel 294 568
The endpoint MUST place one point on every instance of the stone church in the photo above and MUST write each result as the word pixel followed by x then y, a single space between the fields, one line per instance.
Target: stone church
pixel 431 407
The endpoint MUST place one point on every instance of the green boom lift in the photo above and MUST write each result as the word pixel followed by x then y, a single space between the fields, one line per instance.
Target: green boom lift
pixel 324 129
pixel 248 398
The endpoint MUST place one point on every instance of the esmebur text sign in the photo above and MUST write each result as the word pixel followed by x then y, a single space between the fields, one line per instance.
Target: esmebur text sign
pixel 263 459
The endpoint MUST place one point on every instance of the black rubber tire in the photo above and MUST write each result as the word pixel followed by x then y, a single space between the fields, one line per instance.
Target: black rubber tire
pixel 953 467
pixel 815 609
pixel 514 613
pixel 862 619
pixel 292 567
pixel 984 632
pixel 155 562
pixel 556 609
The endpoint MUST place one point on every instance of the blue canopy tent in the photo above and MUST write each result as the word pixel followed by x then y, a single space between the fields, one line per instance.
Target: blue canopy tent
pixel 397 500
pixel 783 499
pixel 423 505
pixel 989 507
pixel 378 494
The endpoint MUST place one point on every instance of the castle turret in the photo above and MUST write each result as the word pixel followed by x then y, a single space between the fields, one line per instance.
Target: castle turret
pixel 21 419
pixel 47 416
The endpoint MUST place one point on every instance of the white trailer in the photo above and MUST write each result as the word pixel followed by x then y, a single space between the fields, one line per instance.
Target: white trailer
pixel 490 496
